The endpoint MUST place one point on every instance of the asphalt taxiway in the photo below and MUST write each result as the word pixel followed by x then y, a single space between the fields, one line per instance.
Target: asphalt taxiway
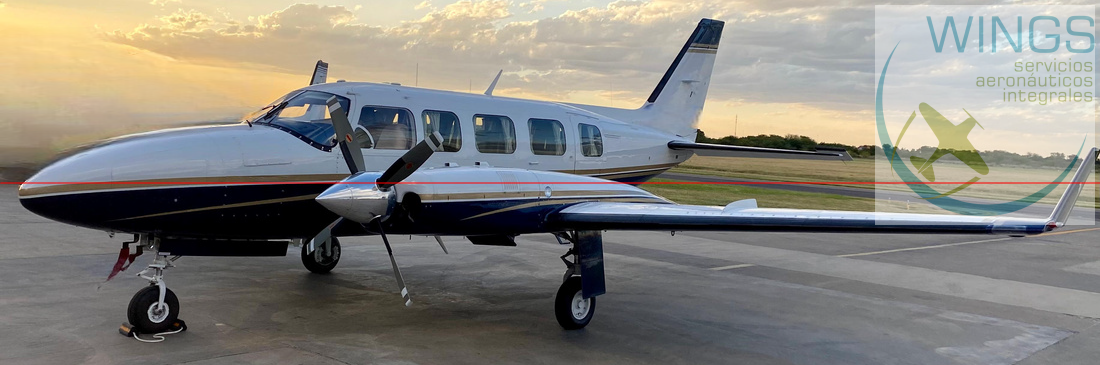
pixel 746 298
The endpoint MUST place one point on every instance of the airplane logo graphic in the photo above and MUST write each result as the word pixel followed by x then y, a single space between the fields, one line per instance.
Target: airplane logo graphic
pixel 953 140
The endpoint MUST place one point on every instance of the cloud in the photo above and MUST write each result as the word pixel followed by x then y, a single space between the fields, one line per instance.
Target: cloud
pixel 162 3
pixel 533 5
pixel 772 51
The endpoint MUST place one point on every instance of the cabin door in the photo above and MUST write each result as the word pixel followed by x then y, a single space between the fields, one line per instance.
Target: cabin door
pixel 588 146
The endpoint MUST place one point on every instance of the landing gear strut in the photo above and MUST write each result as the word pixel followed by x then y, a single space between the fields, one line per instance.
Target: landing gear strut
pixel 575 302
pixel 155 308
pixel 323 258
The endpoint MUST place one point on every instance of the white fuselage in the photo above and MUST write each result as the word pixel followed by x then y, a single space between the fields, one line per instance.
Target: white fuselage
pixel 239 173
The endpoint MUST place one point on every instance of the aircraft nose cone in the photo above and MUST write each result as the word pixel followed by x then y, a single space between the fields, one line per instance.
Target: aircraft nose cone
pixel 45 192
pixel 97 185
pixel 357 198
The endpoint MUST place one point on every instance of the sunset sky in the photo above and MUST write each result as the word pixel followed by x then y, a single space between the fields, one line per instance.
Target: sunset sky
pixel 75 69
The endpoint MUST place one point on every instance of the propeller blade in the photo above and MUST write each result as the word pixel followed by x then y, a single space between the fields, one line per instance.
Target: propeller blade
pixel 345 136
pixel 396 270
pixel 410 161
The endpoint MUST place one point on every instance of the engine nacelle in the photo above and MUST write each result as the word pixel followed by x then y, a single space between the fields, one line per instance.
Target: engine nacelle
pixel 471 201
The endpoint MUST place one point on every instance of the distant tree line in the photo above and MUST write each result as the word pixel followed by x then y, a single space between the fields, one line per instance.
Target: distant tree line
pixel 797 142
pixel 788 142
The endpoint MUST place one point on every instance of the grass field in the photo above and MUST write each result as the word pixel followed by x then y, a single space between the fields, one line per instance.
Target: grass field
pixel 720 195
pixel 863 170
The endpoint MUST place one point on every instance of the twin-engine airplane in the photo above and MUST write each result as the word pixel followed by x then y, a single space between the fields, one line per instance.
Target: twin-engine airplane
pixel 484 167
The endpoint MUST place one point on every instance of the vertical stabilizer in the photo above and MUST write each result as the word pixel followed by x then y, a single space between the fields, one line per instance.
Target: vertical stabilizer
pixel 320 73
pixel 675 104
pixel 677 101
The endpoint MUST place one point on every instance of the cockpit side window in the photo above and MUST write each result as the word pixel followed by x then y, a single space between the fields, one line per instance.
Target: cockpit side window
pixel 391 128
pixel 305 115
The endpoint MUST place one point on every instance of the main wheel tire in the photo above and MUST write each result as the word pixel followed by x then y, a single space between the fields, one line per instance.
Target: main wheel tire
pixel 145 315
pixel 572 310
pixel 328 259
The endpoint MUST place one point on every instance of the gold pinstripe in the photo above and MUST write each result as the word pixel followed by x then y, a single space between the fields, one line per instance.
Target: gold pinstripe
pixel 566 201
pixel 31 190
pixel 227 206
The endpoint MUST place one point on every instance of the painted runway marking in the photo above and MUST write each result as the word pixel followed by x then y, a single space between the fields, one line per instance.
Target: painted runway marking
pixel 923 247
pixel 1031 338
pixel 741 266
pixel 1068 232
pixel 1090 268
pixel 1022 294
pixel 731 267
pixel 1095 271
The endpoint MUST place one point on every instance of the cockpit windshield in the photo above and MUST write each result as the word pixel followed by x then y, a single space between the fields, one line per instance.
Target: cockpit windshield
pixel 303 114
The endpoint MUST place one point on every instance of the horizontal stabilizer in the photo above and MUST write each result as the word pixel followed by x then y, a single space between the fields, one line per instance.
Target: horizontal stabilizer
pixel 708 149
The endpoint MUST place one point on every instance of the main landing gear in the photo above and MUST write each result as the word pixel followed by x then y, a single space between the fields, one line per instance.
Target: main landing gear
pixel 575 302
pixel 323 257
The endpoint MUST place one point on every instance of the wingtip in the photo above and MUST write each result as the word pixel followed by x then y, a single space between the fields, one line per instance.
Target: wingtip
pixel 1062 210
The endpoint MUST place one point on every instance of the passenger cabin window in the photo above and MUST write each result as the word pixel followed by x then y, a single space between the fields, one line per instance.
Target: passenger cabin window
pixel 591 141
pixel 494 134
pixel 547 137
pixel 389 128
pixel 446 123
pixel 302 114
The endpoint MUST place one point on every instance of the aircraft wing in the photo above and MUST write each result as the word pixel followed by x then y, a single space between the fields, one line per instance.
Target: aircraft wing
pixel 708 149
pixel 746 216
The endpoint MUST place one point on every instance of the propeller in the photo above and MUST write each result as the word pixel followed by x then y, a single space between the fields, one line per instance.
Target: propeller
pixel 369 198
pixel 345 136
pixel 410 161
pixel 396 270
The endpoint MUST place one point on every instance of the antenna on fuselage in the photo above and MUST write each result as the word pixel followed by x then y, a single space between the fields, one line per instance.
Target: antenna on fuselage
pixel 489 91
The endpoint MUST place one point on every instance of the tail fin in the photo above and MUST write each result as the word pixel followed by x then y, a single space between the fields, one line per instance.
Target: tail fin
pixel 320 73
pixel 677 101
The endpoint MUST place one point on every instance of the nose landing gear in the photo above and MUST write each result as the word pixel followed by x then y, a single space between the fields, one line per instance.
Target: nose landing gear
pixel 155 308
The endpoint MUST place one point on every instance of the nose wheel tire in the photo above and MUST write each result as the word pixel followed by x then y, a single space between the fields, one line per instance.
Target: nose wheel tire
pixel 147 315
pixel 571 309
pixel 327 260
